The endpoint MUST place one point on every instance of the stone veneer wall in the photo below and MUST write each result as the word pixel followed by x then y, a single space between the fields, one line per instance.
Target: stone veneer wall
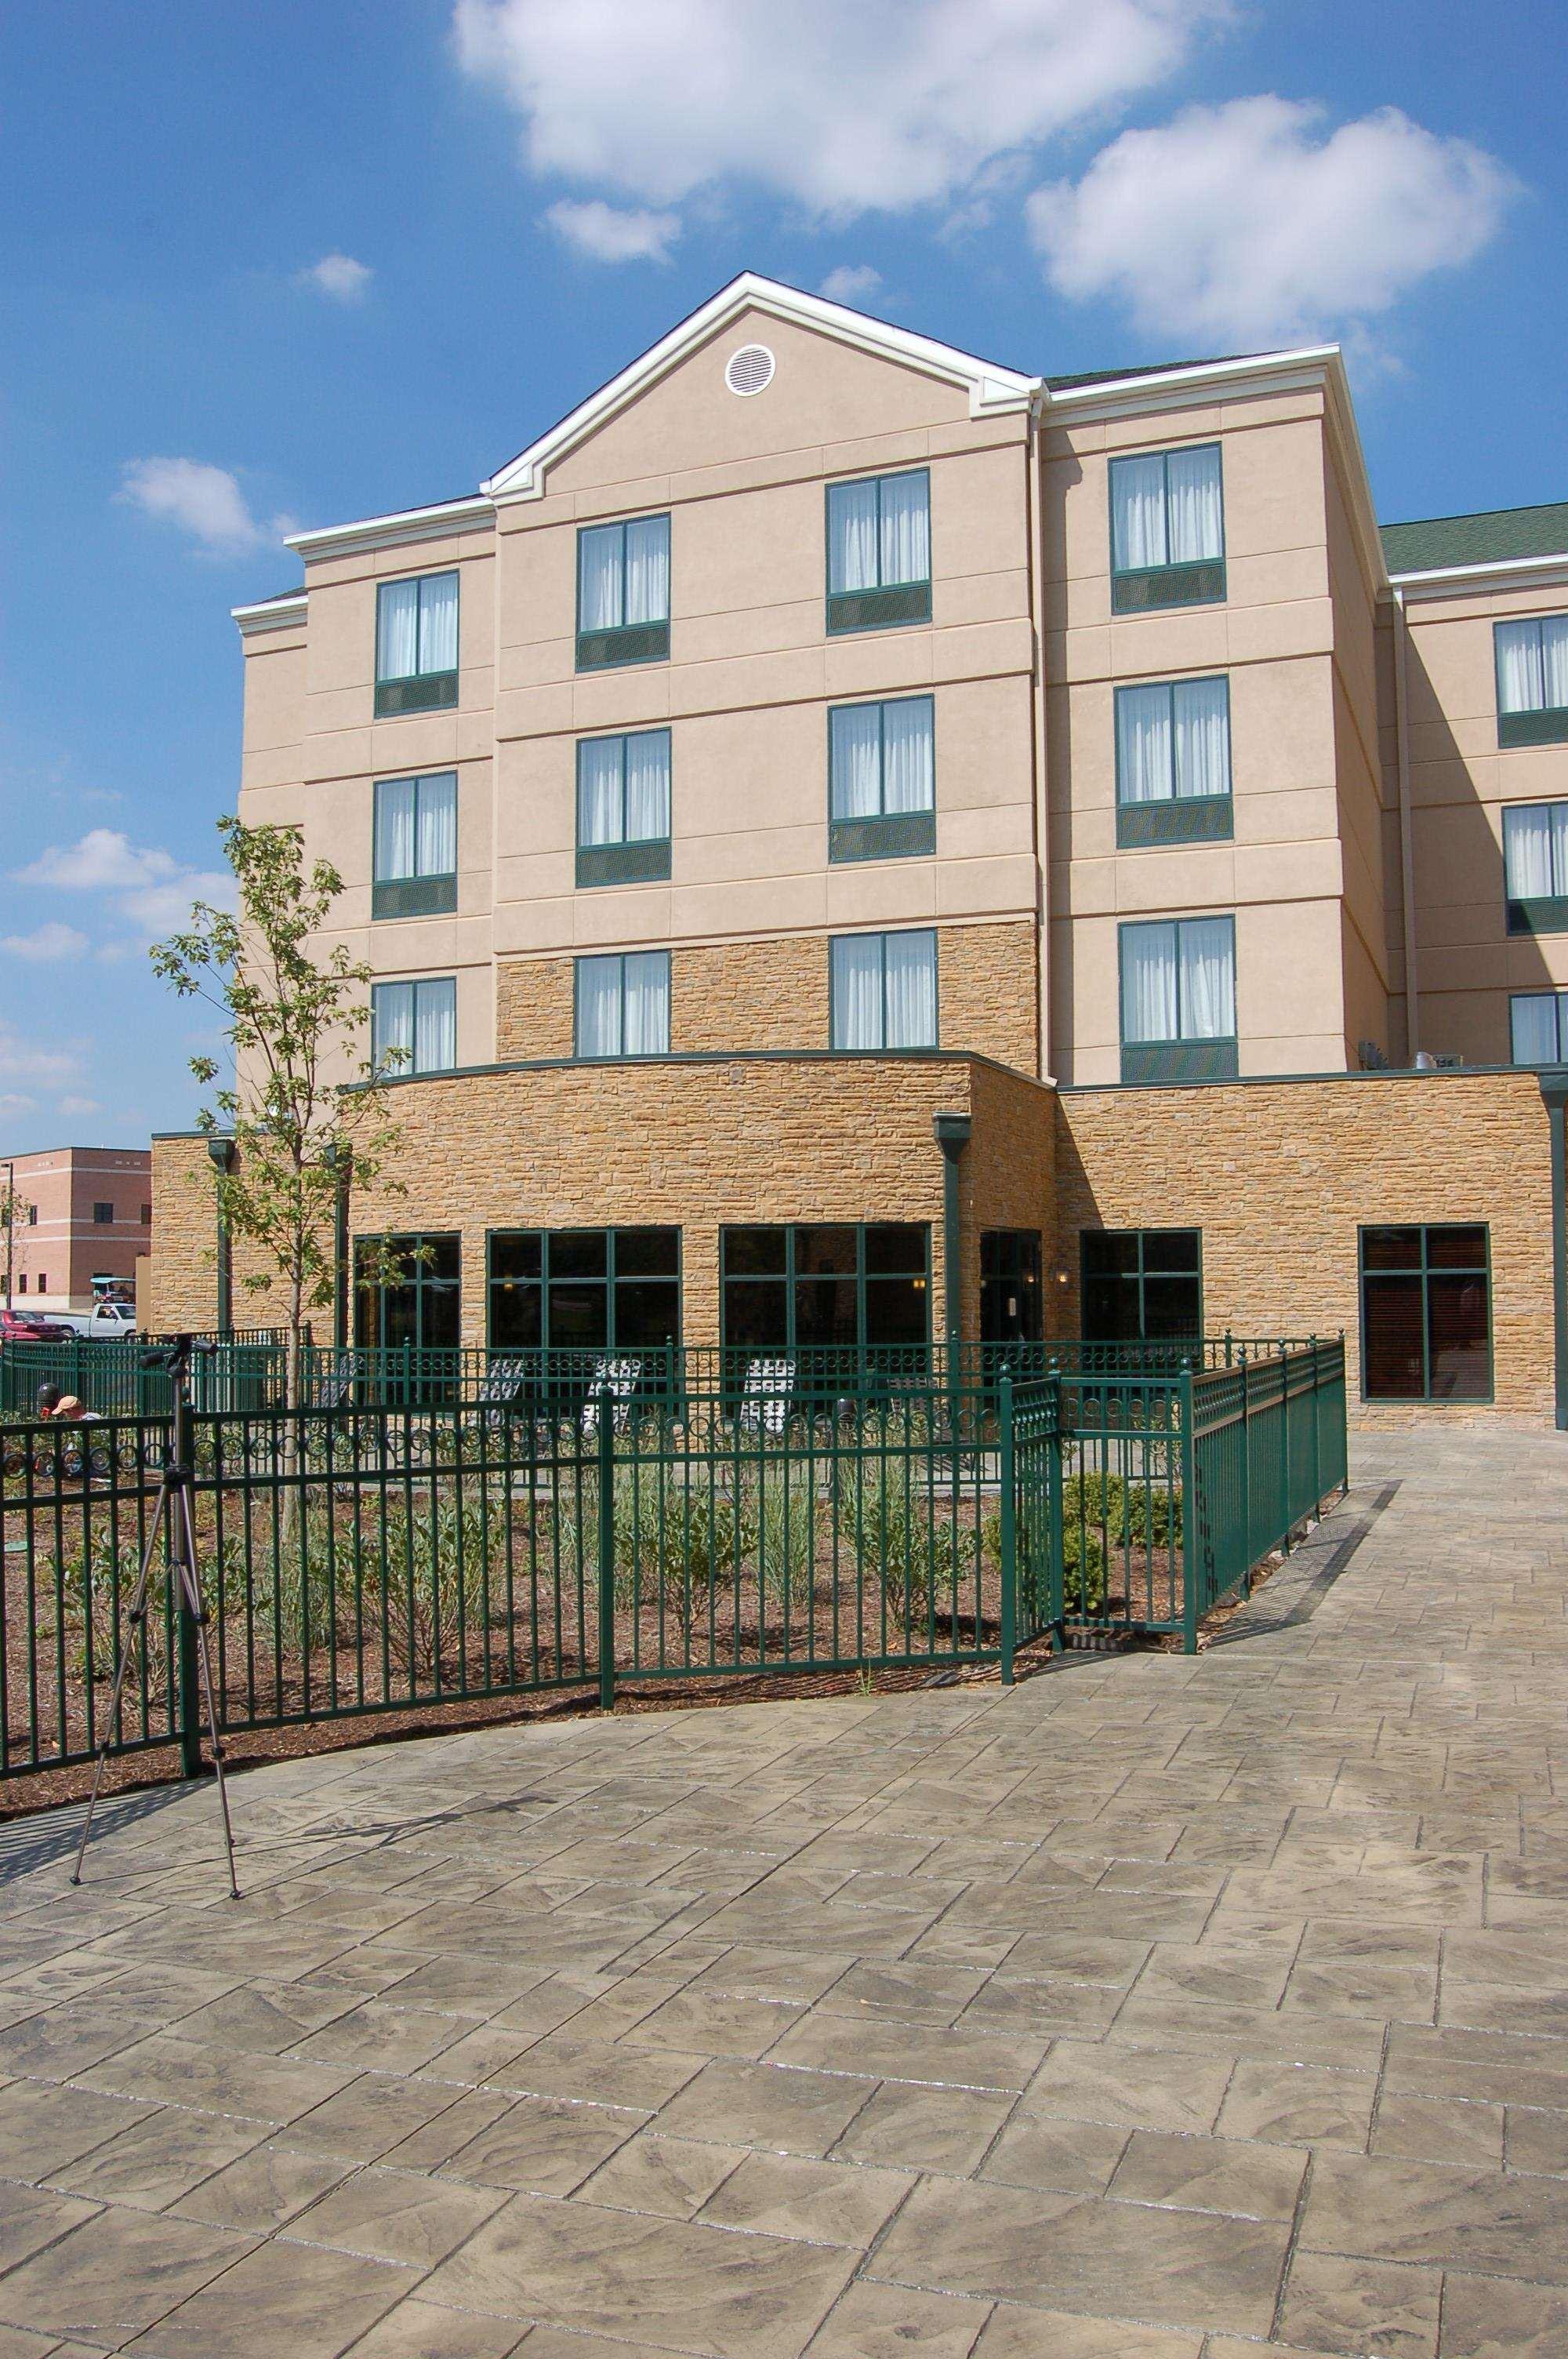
pixel 773 995
pixel 1279 1176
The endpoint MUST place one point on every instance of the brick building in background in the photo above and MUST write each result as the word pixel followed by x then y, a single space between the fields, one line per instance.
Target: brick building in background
pixel 822 731
pixel 84 1221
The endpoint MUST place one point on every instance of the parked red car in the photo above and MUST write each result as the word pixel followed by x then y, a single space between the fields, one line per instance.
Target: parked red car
pixel 30 1327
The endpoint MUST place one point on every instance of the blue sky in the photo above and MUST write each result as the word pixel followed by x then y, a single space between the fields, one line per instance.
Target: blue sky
pixel 284 265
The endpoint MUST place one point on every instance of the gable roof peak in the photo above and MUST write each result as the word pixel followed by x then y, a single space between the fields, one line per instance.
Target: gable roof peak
pixel 992 389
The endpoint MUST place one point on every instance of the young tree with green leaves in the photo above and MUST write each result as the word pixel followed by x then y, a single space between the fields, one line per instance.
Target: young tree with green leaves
pixel 306 1106
pixel 13 1210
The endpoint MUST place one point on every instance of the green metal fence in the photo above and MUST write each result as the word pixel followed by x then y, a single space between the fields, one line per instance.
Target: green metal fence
pixel 357 1560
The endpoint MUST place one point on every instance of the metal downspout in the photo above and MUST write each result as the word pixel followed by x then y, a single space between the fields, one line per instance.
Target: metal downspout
pixel 1407 845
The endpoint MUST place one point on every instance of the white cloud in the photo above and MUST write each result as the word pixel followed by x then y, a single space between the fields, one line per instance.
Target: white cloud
pixel 202 500
pixel 79 1105
pixel 103 858
pixel 867 108
pixel 852 282
pixel 147 886
pixel 1245 222
pixel 339 275
pixel 607 234
pixel 23 1060
pixel 49 941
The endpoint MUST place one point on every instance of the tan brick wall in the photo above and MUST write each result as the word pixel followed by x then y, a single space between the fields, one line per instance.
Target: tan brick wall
pixel 533 1008
pixel 772 993
pixel 181 1289
pixel 1007 1176
pixel 693 1146
pixel 1279 1176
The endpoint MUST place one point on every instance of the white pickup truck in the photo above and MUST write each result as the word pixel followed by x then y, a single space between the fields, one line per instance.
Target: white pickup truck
pixel 106 1323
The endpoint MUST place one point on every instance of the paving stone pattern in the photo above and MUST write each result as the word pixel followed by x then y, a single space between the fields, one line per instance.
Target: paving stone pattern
pixel 1156 2009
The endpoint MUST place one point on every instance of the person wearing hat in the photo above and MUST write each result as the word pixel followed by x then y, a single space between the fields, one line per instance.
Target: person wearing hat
pixel 68 1410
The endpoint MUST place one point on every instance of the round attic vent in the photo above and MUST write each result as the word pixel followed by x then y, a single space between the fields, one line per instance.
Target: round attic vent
pixel 749 370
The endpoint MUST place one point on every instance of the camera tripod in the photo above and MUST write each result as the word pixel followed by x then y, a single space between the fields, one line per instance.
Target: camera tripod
pixel 171 1517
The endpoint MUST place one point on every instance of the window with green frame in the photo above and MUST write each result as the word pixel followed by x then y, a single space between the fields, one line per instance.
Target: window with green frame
pixel 1535 868
pixel 1178 1000
pixel 584 1290
pixel 1538 1028
pixel 1167 529
pixel 852 1284
pixel 879 551
pixel 624 593
pixel 416 644
pixel 1172 762
pixel 623 809
pixel 414 846
pixel 882 780
pixel 1426 1312
pixel 409 1291
pixel 1531 657
pixel 881 990
pixel 1141 1286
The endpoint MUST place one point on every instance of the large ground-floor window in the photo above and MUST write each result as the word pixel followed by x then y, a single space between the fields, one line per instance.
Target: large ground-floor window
pixel 1010 1306
pixel 408 1290
pixel 584 1290
pixel 1141 1286
pixel 1426 1313
pixel 862 1284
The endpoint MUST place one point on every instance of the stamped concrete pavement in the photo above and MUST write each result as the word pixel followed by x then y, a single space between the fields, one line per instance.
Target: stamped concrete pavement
pixel 1154 2009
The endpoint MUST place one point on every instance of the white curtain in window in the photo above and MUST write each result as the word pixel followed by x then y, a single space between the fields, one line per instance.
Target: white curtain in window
pixel 436 1026
pixel 1527 851
pixel 599 791
pixel 439 623
pixel 854 763
pixel 439 826
pixel 648 786
pixel 392 1025
pixel 1521 686
pixel 909 769
pixel 1207 951
pixel 852 536
pixel 912 991
pixel 1143 752
pixel 396 630
pixel 1555 659
pixel 1537 1028
pixel 1148 983
pixel 598 1007
pixel 648 569
pixel 394 842
pixel 599 578
pixel 1203 737
pixel 858 991
pixel 1192 483
pixel 906 528
pixel 647 1004
pixel 1138 514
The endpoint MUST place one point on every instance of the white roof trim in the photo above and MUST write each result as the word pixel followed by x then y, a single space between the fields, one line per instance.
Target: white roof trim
pixel 992 391
pixel 1498 572
pixel 1203 378
pixel 271 613
pixel 387 531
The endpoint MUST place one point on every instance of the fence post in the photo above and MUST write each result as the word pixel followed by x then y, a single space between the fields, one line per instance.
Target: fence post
pixel 1009 1526
pixel 187 1636
pixel 606 1549
pixel 1316 1432
pixel 1285 1438
pixel 1189 1519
